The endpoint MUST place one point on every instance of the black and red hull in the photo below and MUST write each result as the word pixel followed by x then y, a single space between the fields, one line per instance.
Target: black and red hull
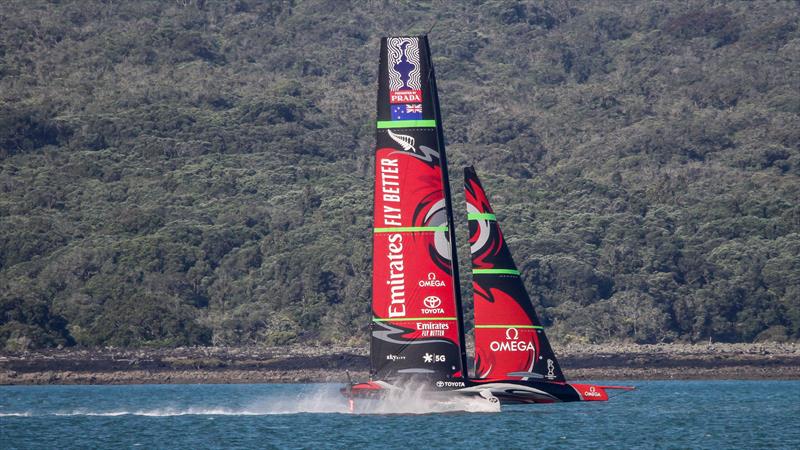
pixel 506 391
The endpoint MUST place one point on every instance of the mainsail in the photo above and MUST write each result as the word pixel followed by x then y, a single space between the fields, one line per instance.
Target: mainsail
pixel 416 328
pixel 510 342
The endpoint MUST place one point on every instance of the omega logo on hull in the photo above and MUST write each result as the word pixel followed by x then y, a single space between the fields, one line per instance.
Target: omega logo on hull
pixel 592 392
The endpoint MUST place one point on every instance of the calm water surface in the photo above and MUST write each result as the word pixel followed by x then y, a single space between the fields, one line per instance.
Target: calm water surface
pixel 661 414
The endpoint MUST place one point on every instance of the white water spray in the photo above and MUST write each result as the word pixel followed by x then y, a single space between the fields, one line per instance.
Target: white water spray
pixel 417 399
pixel 322 399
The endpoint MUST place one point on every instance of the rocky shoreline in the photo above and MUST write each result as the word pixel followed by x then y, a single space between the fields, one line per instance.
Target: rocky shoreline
pixel 296 364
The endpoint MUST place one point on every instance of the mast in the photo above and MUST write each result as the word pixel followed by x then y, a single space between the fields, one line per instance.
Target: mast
pixel 449 205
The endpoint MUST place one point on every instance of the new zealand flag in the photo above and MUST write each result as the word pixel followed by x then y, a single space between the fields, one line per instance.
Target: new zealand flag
pixel 406 112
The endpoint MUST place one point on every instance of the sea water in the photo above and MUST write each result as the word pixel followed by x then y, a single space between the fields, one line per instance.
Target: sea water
pixel 660 414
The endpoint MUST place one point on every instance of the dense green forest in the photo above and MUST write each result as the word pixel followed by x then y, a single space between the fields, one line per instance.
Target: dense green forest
pixel 199 172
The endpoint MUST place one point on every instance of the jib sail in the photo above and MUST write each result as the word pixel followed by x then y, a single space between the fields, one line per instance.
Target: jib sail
pixel 510 342
pixel 416 328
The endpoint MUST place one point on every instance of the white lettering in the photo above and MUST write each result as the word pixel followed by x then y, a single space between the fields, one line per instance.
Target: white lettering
pixel 431 281
pixel 390 188
pixel 432 326
pixel 592 392
pixel 511 346
pixel 442 383
pixel 396 281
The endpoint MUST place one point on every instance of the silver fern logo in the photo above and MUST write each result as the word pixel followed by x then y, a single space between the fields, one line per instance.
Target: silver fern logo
pixel 407 143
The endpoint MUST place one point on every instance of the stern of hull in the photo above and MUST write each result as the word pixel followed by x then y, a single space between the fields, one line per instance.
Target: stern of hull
pixel 518 391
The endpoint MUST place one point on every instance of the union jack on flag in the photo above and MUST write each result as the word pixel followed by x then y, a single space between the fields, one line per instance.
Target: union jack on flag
pixel 406 112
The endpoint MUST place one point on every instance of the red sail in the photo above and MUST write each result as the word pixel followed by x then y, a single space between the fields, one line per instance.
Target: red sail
pixel 416 313
pixel 510 342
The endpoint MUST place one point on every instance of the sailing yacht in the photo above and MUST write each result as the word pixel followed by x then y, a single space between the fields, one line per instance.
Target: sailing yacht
pixel 417 329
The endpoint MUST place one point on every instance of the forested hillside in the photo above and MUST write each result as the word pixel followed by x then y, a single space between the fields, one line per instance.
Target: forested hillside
pixel 199 172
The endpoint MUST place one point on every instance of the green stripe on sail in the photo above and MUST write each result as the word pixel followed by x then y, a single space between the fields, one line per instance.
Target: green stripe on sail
pixel 495 271
pixel 406 124
pixel 409 229
pixel 534 327
pixel 409 319
pixel 481 216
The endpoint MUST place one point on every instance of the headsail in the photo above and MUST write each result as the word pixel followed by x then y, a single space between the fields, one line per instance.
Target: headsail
pixel 510 342
pixel 416 307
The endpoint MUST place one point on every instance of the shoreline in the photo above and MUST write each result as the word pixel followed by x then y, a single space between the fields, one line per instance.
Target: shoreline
pixel 296 364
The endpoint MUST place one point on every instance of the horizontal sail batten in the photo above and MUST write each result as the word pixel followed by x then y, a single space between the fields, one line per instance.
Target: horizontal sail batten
pixel 383 124
pixel 413 319
pixel 481 216
pixel 535 327
pixel 495 272
pixel 409 229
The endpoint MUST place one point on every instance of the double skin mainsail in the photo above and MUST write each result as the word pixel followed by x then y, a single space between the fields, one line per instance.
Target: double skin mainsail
pixel 417 332
pixel 416 328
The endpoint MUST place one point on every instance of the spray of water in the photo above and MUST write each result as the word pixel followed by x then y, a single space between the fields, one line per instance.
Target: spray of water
pixel 417 399
pixel 408 399
pixel 323 399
